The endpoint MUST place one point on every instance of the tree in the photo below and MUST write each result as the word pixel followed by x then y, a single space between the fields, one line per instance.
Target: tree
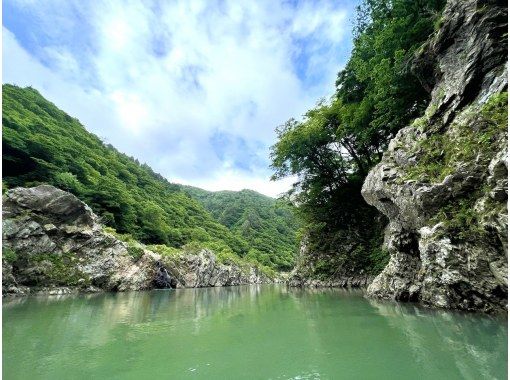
pixel 334 146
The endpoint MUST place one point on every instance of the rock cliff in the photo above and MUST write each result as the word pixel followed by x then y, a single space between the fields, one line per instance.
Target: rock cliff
pixel 202 269
pixel 303 275
pixel 54 242
pixel 443 180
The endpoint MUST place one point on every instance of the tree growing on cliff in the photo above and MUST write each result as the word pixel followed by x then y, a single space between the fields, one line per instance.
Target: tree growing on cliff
pixel 336 143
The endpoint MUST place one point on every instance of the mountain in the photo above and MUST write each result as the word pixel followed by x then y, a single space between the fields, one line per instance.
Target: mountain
pixel 43 145
pixel 267 224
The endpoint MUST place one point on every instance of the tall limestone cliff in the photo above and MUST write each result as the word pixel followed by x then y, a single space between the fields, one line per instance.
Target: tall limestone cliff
pixel 443 180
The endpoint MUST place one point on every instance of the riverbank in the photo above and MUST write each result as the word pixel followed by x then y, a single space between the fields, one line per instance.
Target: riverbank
pixel 54 242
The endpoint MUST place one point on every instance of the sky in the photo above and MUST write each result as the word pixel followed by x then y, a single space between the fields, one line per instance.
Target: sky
pixel 195 89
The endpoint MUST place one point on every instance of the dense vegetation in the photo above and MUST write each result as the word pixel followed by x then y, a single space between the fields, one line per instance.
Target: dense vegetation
pixel 42 144
pixel 266 224
pixel 333 147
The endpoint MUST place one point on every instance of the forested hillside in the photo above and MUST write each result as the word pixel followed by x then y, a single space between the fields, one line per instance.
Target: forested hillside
pixel 268 225
pixel 334 146
pixel 42 144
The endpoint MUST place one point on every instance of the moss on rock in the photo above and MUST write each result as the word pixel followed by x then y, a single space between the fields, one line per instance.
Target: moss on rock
pixel 475 139
pixel 59 269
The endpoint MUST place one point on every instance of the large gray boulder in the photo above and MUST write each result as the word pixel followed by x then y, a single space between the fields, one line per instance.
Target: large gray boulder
pixel 53 242
pixel 443 180
pixel 52 239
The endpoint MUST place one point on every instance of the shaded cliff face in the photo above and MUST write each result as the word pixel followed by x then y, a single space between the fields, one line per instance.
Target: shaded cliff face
pixel 54 242
pixel 309 270
pixel 443 180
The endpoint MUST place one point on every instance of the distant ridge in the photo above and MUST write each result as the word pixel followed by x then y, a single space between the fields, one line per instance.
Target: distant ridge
pixel 42 144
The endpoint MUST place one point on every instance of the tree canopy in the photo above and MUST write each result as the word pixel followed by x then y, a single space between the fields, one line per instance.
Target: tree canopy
pixel 268 225
pixel 334 146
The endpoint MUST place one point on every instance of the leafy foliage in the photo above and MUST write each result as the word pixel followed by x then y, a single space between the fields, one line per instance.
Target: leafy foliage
pixel 9 255
pixel 268 225
pixel 42 144
pixel 333 147
pixel 476 141
pixel 58 269
pixel 460 218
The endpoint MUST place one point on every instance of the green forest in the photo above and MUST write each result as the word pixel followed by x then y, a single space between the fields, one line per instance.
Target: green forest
pixel 382 125
pixel 42 144
pixel 334 146
pixel 268 226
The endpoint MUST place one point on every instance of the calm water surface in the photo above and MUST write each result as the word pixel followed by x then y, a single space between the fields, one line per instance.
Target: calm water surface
pixel 252 332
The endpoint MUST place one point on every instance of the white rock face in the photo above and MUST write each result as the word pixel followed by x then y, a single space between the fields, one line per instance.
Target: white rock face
pixel 53 242
pixel 203 269
pixel 59 242
pixel 431 262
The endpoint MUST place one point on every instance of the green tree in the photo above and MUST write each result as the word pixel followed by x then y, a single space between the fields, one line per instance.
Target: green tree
pixel 334 146
pixel 42 144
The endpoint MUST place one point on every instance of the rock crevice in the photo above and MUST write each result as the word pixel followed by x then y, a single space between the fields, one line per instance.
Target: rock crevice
pixel 443 180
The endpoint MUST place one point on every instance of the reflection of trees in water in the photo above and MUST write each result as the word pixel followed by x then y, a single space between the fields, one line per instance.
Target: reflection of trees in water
pixel 76 327
pixel 325 326
pixel 100 313
pixel 476 344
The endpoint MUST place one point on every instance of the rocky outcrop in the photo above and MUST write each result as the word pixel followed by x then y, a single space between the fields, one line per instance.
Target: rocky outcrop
pixel 52 239
pixel 54 242
pixel 443 180
pixel 299 281
pixel 304 274
pixel 203 269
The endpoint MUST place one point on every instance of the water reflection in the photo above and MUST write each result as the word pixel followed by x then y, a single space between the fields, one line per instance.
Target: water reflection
pixel 265 331
pixel 476 344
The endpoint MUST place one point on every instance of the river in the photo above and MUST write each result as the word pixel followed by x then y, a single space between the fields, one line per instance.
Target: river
pixel 252 332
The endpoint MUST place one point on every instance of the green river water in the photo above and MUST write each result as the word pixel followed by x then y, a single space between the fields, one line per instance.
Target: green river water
pixel 245 332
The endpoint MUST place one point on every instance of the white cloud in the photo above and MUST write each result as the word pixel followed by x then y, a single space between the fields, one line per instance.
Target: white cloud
pixel 166 79
pixel 89 106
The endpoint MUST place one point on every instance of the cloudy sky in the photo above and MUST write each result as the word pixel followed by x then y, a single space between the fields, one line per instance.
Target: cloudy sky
pixel 193 88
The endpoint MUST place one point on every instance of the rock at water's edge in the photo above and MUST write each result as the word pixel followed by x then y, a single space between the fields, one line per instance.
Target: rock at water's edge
pixel 53 242
pixel 448 233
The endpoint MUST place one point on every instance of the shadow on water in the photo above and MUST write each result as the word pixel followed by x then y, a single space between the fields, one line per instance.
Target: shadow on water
pixel 258 331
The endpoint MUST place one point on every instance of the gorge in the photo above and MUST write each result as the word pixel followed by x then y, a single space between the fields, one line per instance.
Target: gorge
pixel 438 236
pixel 387 258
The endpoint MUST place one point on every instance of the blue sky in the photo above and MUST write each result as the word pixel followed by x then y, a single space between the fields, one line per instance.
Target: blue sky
pixel 193 88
